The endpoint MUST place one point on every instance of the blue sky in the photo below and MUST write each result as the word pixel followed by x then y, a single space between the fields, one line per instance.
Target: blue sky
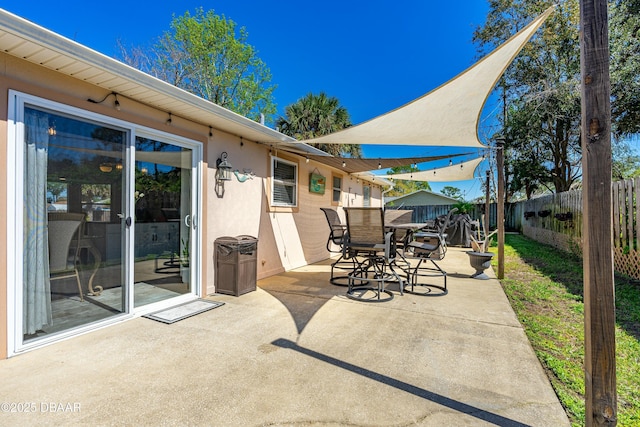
pixel 374 56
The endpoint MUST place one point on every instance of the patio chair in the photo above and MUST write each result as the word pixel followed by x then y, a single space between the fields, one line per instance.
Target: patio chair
pixel 63 249
pixel 337 237
pixel 399 216
pixel 374 249
pixel 423 254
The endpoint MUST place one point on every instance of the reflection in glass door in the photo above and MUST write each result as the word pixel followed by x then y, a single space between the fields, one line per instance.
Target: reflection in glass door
pixel 163 221
pixel 72 258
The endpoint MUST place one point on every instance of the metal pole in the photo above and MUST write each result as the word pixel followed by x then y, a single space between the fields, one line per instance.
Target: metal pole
pixel 500 217
pixel 487 204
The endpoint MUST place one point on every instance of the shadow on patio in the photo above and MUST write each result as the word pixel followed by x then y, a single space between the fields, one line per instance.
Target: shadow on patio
pixel 297 351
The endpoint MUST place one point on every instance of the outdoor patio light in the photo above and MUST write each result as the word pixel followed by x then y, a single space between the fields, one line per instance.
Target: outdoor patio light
pixel 106 167
pixel 116 103
pixel 224 168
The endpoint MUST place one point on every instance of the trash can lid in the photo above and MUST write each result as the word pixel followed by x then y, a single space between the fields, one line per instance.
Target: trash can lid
pixel 243 238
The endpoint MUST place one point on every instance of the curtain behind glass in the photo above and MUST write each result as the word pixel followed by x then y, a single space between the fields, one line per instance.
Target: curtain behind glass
pixel 36 285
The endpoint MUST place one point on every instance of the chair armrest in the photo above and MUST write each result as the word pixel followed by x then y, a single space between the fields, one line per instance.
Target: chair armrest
pixel 389 244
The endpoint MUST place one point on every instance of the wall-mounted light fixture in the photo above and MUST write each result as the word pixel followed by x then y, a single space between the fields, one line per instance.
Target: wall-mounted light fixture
pixel 224 168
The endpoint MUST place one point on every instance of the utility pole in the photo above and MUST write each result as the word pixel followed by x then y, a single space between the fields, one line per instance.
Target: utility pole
pixel 599 301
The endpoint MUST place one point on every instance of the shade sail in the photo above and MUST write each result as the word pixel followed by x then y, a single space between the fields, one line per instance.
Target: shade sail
pixel 446 116
pixel 460 172
pixel 353 165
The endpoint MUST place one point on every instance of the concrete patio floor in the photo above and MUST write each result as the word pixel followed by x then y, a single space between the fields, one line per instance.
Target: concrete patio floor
pixel 297 352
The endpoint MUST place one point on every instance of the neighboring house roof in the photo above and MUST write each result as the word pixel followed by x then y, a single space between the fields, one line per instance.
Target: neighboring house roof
pixel 421 198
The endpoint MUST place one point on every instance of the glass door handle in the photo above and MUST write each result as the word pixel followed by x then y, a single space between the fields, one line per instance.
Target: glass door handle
pixel 194 222
pixel 186 221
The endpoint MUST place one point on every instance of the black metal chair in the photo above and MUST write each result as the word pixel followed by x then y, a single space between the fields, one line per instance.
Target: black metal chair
pixel 427 248
pixel 375 250
pixel 399 216
pixel 337 238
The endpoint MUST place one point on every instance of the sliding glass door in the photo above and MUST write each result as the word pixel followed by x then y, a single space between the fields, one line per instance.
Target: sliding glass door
pixel 163 220
pixel 73 221
pixel 105 220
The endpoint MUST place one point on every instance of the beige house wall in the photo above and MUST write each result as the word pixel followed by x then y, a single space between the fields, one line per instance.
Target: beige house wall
pixel 288 238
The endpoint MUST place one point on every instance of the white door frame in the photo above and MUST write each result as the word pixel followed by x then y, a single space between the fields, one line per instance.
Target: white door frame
pixel 14 179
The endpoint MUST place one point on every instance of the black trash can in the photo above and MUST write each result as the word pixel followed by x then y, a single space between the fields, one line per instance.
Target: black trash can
pixel 236 264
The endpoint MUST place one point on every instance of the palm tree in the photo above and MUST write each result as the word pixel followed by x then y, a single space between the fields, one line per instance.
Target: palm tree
pixel 317 115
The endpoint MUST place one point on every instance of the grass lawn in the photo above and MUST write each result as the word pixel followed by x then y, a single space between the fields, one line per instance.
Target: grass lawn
pixel 544 286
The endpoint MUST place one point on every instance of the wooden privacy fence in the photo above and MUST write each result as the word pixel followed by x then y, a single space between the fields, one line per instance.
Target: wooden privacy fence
pixel 556 220
pixel 512 213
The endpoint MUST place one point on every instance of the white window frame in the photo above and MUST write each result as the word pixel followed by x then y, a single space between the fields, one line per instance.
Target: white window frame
pixel 366 195
pixel 335 189
pixel 275 182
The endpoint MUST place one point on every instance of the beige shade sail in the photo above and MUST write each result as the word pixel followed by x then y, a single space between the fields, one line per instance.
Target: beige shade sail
pixel 458 172
pixel 446 116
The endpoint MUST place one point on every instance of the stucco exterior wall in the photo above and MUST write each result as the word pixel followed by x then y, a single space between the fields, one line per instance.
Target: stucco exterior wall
pixel 288 237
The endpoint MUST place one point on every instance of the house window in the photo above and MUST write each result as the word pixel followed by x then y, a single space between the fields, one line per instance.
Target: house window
pixel 366 195
pixel 284 182
pixel 337 190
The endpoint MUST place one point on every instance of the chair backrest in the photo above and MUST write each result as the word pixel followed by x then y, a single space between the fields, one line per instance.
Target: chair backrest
pixel 446 221
pixel 436 245
pixel 335 225
pixel 398 216
pixel 365 226
pixel 61 228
